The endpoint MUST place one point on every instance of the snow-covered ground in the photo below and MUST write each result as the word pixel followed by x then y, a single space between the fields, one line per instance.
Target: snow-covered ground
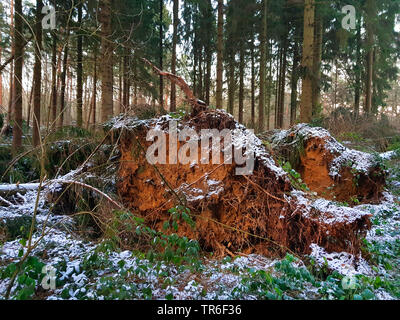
pixel 88 270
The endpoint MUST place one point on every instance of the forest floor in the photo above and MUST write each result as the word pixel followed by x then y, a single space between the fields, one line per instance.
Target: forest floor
pixel 98 269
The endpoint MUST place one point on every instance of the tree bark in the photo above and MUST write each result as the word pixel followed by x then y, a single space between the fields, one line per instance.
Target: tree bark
pixel 220 49
pixel 281 104
pixel 37 75
pixel 79 71
pixel 253 86
pixel 126 83
pixel 307 62
pixel 294 82
pixel 1 80
pixel 317 64
pixel 369 21
pixel 7 120
pixel 241 82
pixel 263 62
pixel 161 54
pixel 53 106
pixel 173 60
pixel 231 85
pixel 94 96
pixel 63 79
pixel 357 93
pixel 107 61
pixel 18 65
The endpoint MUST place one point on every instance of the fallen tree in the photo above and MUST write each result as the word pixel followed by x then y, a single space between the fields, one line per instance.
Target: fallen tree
pixel 7 190
pixel 329 168
pixel 260 213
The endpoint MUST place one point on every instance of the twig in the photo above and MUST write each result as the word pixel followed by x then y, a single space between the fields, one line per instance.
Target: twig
pixel 10 59
pixel 84 185
pixel 263 190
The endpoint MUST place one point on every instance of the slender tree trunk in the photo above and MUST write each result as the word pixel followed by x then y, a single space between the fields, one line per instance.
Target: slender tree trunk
pixel 336 86
pixel 53 106
pixel 173 60
pixel 126 84
pixel 63 80
pixel 11 95
pixel 374 103
pixel 357 93
pixel 241 81
pixel 269 88
pixel 207 82
pixel 195 92
pixel 28 120
pixel 281 105
pixel 107 61
pixel 278 85
pixel 1 80
pixel 307 61
pixel 37 75
pixel 121 84
pixel 18 64
pixel 317 64
pixel 220 57
pixel 369 21
pixel 161 54
pixel 135 79
pixel 232 85
pixel 94 95
pixel 69 95
pixel 79 71
pixel 294 82
pixel 263 64
pixel 253 86
pixel 200 80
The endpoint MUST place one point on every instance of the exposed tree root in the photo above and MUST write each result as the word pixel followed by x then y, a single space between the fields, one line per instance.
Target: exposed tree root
pixel 260 213
pixel 327 167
